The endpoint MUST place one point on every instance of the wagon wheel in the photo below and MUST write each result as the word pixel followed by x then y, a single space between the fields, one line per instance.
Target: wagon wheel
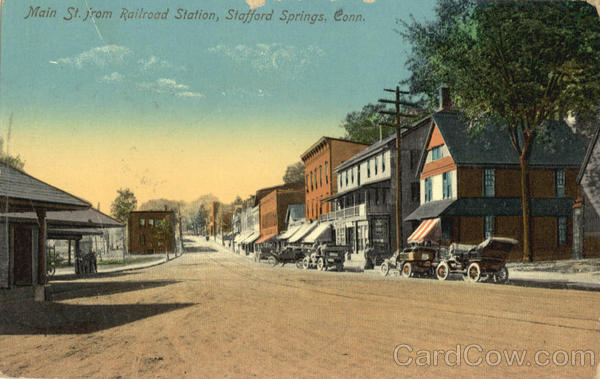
pixel 306 263
pixel 385 268
pixel 473 272
pixel 407 269
pixel 272 260
pixel 300 263
pixel 442 270
pixel 321 265
pixel 502 275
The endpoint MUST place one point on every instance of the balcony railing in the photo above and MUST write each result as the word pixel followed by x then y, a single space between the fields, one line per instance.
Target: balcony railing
pixel 355 211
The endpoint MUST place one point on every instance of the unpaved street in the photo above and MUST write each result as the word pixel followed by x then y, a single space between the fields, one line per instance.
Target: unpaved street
pixel 215 314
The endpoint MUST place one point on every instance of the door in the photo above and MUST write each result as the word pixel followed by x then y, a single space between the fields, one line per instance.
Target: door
pixel 22 243
pixel 351 239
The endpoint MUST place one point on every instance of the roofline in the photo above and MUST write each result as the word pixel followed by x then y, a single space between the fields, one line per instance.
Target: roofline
pixel 324 139
pixel 86 203
pixel 423 157
pixel 153 211
pixel 588 155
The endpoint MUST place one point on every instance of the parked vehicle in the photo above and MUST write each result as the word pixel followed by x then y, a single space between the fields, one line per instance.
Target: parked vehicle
pixel 289 254
pixel 416 259
pixel 326 256
pixel 485 261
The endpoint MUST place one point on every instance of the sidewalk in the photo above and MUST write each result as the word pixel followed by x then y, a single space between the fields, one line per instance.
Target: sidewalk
pixel 588 281
pixel 63 272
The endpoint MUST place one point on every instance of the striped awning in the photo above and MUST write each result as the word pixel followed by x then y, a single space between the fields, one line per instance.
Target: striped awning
pixel 428 230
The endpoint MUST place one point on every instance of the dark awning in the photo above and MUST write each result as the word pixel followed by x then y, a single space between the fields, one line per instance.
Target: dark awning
pixel 492 206
pixel 431 209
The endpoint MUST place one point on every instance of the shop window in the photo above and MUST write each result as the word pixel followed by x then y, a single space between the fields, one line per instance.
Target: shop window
pixel 488 226
pixel 447 227
pixel 562 230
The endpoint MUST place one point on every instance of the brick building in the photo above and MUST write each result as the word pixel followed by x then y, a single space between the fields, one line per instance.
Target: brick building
pixel 146 235
pixel 470 188
pixel 321 181
pixel 273 209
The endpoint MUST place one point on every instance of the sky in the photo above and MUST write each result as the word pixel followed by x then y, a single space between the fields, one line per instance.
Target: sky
pixel 176 108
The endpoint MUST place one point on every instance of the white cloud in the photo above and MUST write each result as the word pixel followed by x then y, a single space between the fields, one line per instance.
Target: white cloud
pixel 153 61
pixel 270 57
pixel 114 77
pixel 98 56
pixel 170 86
pixel 189 94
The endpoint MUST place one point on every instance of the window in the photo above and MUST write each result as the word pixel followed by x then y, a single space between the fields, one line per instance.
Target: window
pixel 447 227
pixel 369 168
pixel 346 177
pixel 436 153
pixel 320 176
pixel 311 181
pixel 326 174
pixel 489 182
pixel 446 185
pixel 150 222
pixel 383 162
pixel 352 175
pixel 428 189
pixel 488 226
pixel 142 221
pixel 306 183
pixel 415 191
pixel 358 175
pixel 560 183
pixel 340 180
pixel 562 230
pixel 316 183
pixel 376 164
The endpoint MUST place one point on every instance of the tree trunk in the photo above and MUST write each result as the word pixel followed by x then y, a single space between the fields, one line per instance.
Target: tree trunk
pixel 525 201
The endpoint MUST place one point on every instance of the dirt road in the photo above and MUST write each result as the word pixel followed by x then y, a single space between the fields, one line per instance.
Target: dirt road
pixel 215 314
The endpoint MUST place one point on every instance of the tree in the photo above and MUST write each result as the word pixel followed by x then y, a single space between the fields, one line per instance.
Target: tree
pixel 523 64
pixel 10 160
pixel 162 204
pixel 366 126
pixel 294 174
pixel 164 231
pixel 124 203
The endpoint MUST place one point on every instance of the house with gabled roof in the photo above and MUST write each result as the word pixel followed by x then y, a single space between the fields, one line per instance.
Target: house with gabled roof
pixel 470 187
pixel 23 245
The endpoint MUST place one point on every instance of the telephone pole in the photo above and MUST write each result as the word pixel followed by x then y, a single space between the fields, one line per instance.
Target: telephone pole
pixel 398 127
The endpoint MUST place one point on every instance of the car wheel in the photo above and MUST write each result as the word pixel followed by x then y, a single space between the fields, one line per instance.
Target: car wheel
pixel 407 269
pixel 385 268
pixel 473 272
pixel 442 271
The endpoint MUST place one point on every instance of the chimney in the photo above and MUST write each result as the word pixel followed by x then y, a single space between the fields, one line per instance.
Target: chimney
pixel 445 101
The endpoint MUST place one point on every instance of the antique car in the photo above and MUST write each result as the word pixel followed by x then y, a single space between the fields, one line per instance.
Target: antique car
pixel 325 256
pixel 289 254
pixel 485 261
pixel 415 259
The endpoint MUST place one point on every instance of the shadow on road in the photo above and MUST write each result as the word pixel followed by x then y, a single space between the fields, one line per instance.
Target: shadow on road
pixel 57 318
pixel 72 290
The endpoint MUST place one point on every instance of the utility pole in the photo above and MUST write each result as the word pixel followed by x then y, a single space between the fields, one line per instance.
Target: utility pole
pixel 398 127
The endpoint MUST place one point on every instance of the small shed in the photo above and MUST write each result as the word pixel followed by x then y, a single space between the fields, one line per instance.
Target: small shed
pixel 23 245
